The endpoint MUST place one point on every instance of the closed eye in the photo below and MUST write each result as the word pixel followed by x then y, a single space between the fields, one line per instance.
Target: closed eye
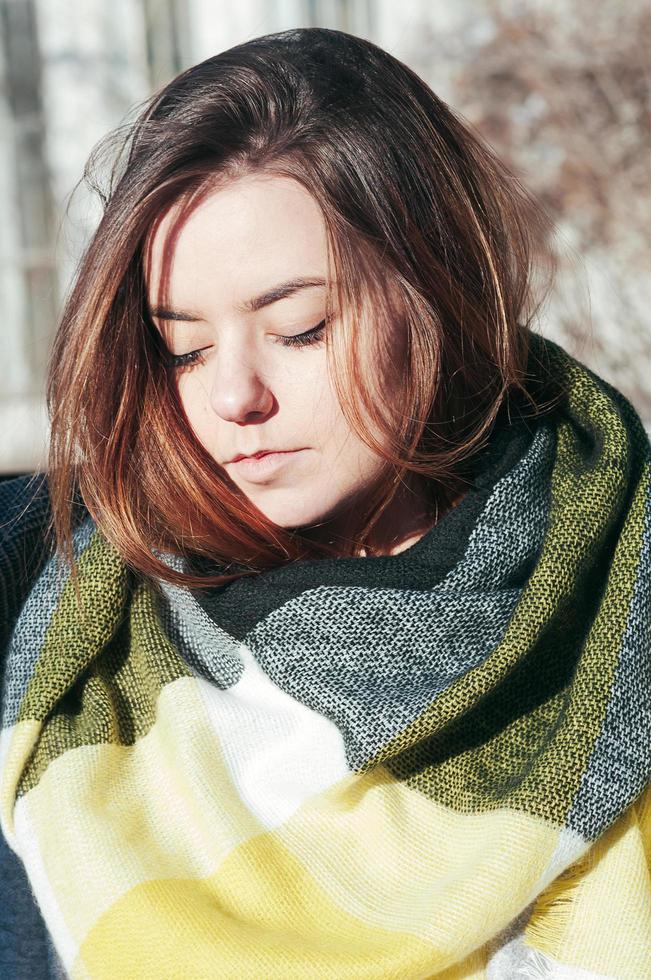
pixel 312 336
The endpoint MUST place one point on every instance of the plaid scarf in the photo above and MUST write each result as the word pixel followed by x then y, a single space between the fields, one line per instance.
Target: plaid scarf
pixel 435 763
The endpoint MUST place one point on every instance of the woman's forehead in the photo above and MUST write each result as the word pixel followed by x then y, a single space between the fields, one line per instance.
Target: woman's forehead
pixel 258 206
pixel 262 231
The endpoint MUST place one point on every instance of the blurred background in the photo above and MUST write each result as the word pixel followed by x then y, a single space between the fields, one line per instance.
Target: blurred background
pixel 560 88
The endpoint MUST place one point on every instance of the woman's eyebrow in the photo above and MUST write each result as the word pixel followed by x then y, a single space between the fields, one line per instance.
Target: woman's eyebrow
pixel 269 296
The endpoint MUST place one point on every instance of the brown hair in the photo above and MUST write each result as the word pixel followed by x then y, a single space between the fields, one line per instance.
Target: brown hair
pixel 427 231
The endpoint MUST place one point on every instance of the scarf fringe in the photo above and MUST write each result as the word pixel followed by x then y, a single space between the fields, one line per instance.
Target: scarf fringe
pixel 552 910
pixel 537 967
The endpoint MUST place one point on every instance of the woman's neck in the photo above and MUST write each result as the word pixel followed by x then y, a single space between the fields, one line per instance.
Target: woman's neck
pixel 409 516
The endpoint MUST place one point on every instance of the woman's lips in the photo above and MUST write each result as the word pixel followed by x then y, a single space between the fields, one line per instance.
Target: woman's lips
pixel 259 468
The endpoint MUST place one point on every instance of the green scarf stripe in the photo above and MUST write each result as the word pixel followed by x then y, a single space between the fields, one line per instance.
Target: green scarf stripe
pixel 503 734
pixel 71 641
pixel 518 730
pixel 103 682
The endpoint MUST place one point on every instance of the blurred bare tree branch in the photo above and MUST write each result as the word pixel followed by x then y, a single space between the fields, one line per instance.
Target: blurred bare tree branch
pixel 563 93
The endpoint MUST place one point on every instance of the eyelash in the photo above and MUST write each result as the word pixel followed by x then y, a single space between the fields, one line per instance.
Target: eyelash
pixel 305 339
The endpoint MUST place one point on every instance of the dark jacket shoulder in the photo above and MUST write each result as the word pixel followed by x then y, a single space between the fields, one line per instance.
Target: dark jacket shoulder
pixel 24 545
pixel 25 946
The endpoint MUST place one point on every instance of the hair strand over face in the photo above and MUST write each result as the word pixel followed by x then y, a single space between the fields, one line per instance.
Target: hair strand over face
pixel 428 233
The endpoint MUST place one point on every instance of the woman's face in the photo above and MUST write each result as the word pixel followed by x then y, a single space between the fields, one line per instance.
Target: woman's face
pixel 252 369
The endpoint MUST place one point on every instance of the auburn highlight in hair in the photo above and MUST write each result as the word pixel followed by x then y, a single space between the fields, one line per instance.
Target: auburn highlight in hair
pixel 428 232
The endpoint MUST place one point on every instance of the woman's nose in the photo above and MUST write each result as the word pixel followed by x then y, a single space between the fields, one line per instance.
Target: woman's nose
pixel 239 391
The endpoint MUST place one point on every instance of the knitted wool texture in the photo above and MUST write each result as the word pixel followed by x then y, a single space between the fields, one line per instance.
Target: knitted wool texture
pixel 436 763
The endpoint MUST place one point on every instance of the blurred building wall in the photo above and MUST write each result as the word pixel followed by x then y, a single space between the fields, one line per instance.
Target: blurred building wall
pixel 559 88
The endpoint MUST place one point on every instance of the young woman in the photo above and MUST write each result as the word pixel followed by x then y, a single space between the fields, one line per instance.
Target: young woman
pixel 336 663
